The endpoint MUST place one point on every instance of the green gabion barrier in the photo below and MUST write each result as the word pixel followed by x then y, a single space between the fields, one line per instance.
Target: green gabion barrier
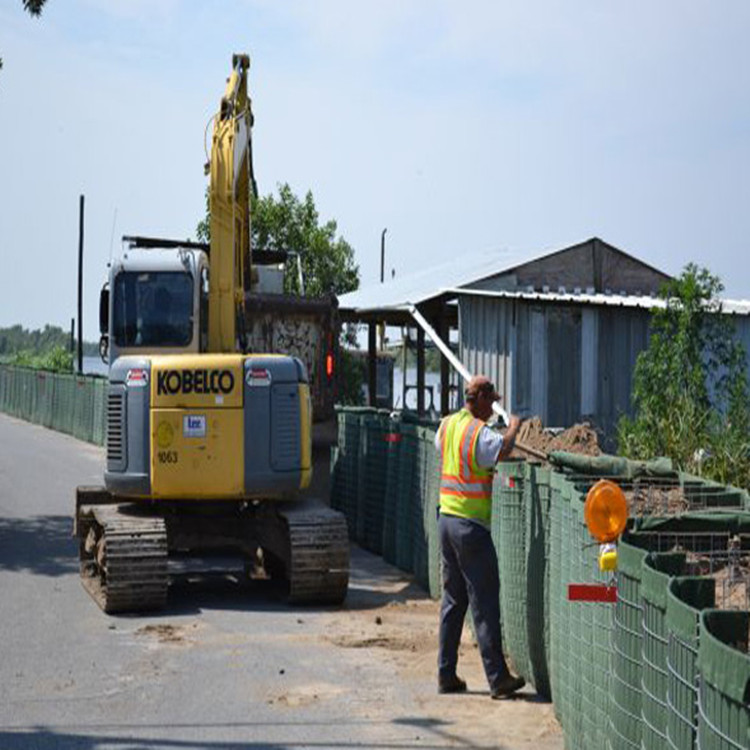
pixel 579 643
pixel 655 574
pixel 430 515
pixel 591 640
pixel 74 404
pixel 686 597
pixel 558 601
pixel 537 510
pixel 390 503
pixel 621 676
pixel 511 478
pixel 423 504
pixel 625 710
pixel 724 696
pixel 372 481
pixel 405 515
pixel 669 636
pixel 344 483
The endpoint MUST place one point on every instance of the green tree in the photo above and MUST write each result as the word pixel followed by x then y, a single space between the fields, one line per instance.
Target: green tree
pixel 57 359
pixel 34 8
pixel 690 391
pixel 286 223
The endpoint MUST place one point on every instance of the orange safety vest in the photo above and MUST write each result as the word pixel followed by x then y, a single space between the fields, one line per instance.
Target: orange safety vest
pixel 465 487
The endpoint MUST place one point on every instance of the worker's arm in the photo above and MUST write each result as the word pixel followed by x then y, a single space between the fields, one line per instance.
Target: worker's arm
pixel 439 434
pixel 509 439
pixel 493 446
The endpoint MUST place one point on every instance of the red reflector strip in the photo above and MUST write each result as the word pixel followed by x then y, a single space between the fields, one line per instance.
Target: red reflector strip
pixel 392 437
pixel 329 365
pixel 587 592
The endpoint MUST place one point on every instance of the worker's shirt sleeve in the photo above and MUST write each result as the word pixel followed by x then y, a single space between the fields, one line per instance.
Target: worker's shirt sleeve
pixel 439 436
pixel 489 445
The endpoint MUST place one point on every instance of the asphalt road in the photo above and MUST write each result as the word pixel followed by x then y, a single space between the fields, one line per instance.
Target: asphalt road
pixel 227 665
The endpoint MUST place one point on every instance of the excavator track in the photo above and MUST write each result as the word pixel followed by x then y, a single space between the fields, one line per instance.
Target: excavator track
pixel 318 563
pixel 123 557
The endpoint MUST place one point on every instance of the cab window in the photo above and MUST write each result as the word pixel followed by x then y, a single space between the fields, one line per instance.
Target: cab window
pixel 153 309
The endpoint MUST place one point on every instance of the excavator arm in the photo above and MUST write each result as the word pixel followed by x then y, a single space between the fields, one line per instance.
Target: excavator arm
pixel 231 183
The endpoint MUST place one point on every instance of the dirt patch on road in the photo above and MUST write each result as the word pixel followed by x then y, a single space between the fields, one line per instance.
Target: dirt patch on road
pixel 397 626
pixel 163 633
pixel 402 635
pixel 305 695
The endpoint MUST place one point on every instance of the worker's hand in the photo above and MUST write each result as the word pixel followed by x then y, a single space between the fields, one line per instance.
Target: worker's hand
pixel 509 437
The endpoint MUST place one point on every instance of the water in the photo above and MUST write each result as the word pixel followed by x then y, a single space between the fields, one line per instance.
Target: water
pixel 94 366
pixel 432 389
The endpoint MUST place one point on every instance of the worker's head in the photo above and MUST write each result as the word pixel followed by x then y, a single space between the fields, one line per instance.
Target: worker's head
pixel 480 395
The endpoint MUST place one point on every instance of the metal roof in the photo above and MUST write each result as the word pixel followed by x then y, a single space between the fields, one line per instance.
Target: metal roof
pixel 732 307
pixel 430 282
pixel 453 278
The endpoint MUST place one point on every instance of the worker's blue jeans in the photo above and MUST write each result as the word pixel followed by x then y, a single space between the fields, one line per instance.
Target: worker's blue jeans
pixel 470 577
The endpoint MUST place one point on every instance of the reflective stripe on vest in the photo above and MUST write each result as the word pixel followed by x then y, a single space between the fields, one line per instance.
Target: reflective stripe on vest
pixel 465 487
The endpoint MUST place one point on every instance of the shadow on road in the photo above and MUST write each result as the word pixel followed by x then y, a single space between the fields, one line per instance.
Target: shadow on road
pixel 373 583
pixel 430 730
pixel 42 545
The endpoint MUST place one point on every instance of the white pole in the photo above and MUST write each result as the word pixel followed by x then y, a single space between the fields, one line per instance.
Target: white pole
pixel 451 357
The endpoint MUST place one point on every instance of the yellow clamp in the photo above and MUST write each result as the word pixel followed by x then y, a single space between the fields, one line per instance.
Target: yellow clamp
pixel 607 557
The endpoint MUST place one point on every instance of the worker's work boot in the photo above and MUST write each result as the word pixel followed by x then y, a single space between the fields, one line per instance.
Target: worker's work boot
pixel 453 684
pixel 506 686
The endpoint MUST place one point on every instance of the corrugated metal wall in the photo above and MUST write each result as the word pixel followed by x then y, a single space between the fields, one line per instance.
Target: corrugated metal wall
pixel 564 363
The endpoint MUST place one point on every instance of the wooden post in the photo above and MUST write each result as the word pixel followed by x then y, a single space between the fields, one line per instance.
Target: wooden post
pixel 372 363
pixel 420 372
pixel 444 332
pixel 80 287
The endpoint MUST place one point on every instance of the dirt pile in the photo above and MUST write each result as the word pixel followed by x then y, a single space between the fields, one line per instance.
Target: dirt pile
pixel 651 499
pixel 580 438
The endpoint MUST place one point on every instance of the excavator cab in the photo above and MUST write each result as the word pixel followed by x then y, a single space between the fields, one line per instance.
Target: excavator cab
pixel 155 300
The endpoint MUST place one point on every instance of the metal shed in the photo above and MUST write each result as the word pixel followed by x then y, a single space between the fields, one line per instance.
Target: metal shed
pixel 558 333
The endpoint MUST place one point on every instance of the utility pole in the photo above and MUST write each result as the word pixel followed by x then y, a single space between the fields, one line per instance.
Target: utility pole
pixel 382 279
pixel 382 255
pixel 80 287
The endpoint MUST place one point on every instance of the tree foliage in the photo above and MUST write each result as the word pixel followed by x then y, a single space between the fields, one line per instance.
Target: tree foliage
pixel 690 390
pixel 32 7
pixel 286 223
pixel 18 341
pixel 57 359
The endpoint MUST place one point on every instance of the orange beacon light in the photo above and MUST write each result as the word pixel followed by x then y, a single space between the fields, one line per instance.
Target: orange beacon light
pixel 605 511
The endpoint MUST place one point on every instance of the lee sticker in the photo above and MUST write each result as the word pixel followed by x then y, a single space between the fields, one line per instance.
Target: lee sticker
pixel 194 426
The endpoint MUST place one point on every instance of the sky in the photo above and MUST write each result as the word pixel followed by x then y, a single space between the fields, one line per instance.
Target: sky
pixel 463 128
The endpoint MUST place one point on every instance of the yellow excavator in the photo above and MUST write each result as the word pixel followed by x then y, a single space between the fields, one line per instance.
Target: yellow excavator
pixel 208 446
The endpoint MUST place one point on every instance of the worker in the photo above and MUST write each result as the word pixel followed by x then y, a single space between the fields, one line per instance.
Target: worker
pixel 469 450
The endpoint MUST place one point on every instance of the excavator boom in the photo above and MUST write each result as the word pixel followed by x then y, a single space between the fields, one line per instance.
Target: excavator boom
pixel 229 197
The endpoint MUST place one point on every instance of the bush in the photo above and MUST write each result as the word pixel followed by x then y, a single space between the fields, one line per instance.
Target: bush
pixel 690 388
pixel 58 359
